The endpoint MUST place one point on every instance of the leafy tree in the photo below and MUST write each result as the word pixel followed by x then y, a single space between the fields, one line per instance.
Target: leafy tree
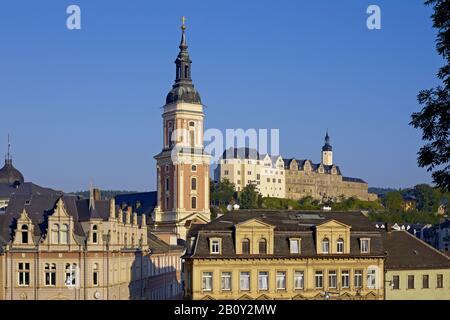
pixel 250 198
pixel 393 201
pixel 427 198
pixel 222 192
pixel 309 203
pixel 434 118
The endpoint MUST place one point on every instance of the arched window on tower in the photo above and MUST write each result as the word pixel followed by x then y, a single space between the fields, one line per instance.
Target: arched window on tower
pixel 186 72
pixel 194 184
pixel 192 134
pixel 24 231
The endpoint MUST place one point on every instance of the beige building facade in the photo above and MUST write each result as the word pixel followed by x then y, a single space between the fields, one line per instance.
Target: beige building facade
pixel 244 166
pixel 285 255
pixel 414 270
pixel 63 247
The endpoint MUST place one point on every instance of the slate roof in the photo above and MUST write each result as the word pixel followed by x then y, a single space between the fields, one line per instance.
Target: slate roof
pixel 287 224
pixel 314 166
pixel 9 174
pixel 241 153
pixel 26 188
pixel 142 202
pixel 349 179
pixel 405 251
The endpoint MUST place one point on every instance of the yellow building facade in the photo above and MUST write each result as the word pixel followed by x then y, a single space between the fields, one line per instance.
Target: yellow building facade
pixel 414 270
pixel 285 255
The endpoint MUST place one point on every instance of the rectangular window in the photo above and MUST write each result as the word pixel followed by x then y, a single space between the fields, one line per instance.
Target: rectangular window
pixel 249 173
pixel 299 280
pixel 215 246
pixel 319 279
pixel 396 282
pixel 207 278
pixel 371 278
pixel 226 172
pixel 263 281
pixel 258 176
pixel 24 274
pixel 332 279
pixel 50 274
pixel 410 282
pixel 364 245
pixel 425 281
pixel 295 246
pixel 244 281
pixel 345 278
pixel 95 278
pixel 439 281
pixel 226 281
pixel 281 280
pixel 358 278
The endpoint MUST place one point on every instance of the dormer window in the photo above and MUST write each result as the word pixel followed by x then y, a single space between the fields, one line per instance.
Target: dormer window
pixel 365 245
pixel 215 246
pixel 262 246
pixel 24 234
pixel 245 246
pixel 64 234
pixel 325 245
pixel 340 246
pixel 294 245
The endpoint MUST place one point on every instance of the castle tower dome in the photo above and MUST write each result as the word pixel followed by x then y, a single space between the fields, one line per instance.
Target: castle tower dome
pixel 327 152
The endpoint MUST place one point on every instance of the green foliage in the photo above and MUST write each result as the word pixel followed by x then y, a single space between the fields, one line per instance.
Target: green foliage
pixel 404 217
pixel 280 204
pixel 392 201
pixel 222 192
pixel 433 119
pixel 353 203
pixel 250 198
pixel 309 203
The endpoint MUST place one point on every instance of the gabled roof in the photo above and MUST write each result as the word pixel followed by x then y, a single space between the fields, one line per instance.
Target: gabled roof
pixel 405 251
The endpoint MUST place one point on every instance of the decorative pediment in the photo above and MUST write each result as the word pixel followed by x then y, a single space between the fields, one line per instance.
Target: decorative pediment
pixel 245 297
pixel 333 224
pixel 254 223
pixel 263 297
pixel 371 296
pixel 60 210
pixel 293 165
pixel 346 296
pixel 24 218
pixel 298 297
pixel 207 297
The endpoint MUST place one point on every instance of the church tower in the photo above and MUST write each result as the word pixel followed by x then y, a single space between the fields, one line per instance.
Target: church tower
pixel 182 165
pixel 327 152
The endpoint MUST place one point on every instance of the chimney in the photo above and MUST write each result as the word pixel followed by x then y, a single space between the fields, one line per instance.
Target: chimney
pixel 144 220
pixel 94 195
pixel 135 218
pixel 388 227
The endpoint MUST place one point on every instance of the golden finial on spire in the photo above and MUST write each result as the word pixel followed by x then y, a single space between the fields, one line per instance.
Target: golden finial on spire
pixel 183 23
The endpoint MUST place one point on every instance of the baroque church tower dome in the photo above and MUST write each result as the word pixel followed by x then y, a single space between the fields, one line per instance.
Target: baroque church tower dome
pixel 183 90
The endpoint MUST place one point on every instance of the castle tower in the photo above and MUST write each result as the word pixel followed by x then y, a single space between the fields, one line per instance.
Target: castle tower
pixel 182 165
pixel 327 152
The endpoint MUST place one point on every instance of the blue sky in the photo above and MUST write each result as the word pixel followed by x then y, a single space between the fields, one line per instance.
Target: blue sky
pixel 83 106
